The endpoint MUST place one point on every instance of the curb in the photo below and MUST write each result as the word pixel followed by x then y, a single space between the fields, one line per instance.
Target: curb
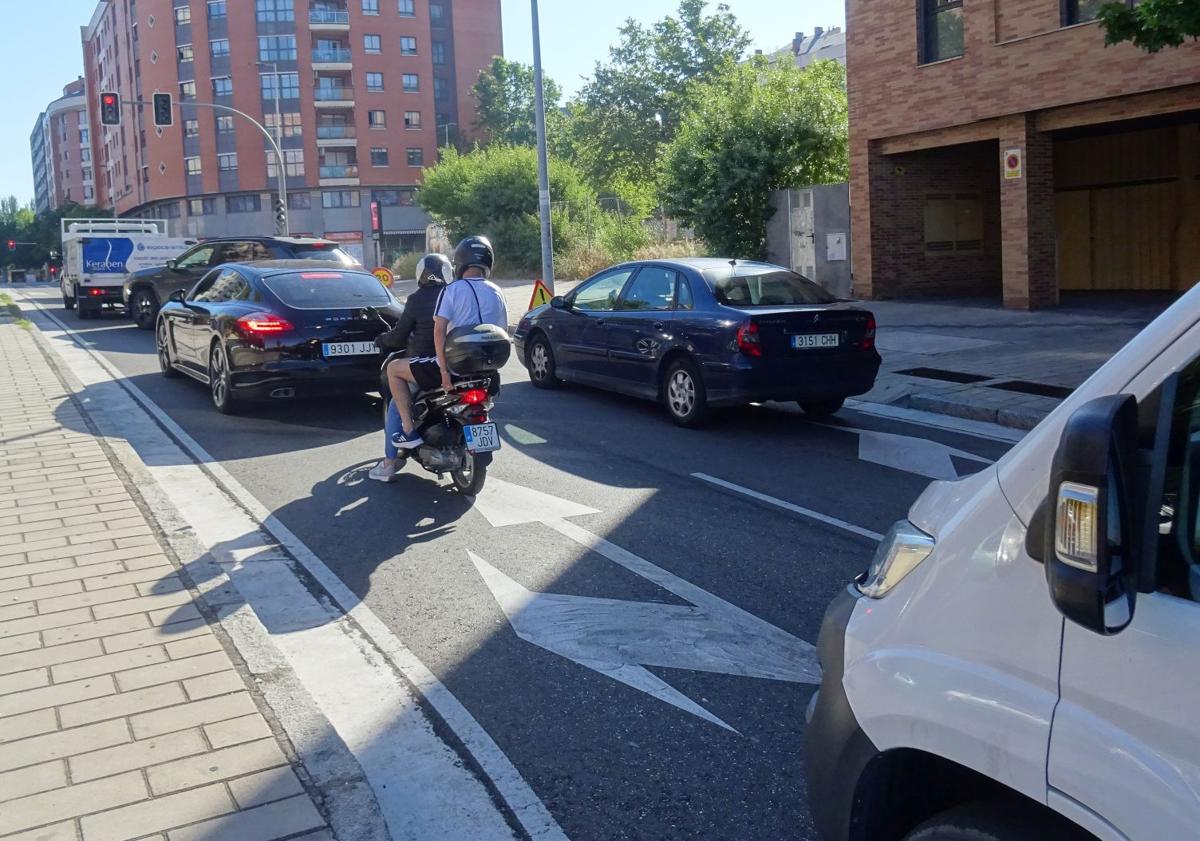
pixel 1015 418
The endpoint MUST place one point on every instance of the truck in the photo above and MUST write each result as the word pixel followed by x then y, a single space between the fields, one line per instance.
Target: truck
pixel 99 255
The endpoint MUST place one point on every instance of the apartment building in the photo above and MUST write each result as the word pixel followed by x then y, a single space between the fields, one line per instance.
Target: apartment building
pixel 60 150
pixel 365 92
pixel 998 148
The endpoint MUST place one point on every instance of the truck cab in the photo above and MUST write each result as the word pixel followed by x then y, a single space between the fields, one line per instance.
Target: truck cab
pixel 1020 660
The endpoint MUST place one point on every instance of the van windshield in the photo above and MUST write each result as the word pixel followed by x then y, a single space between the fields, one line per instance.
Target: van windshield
pixel 763 286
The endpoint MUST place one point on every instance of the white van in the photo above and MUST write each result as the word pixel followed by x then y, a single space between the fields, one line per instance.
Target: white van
pixel 1022 659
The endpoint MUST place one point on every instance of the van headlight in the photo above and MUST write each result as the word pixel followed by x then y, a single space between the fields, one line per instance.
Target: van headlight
pixel 902 548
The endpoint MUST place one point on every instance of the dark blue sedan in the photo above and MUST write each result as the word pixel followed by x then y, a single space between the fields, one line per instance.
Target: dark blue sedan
pixel 701 333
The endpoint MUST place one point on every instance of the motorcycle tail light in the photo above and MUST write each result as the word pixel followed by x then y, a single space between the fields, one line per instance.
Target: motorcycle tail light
pixel 474 396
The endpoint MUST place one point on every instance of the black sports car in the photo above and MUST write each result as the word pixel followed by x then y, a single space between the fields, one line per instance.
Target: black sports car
pixel 275 330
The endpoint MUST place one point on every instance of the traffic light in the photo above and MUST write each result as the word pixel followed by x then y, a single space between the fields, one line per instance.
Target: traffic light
pixel 163 114
pixel 110 108
pixel 280 216
pixel 12 245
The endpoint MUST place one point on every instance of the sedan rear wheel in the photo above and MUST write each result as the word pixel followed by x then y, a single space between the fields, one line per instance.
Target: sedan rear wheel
pixel 542 369
pixel 218 380
pixel 144 308
pixel 684 394
pixel 163 348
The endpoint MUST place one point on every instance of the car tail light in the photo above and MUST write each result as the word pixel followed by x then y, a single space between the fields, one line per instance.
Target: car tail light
pixel 868 339
pixel 95 293
pixel 53 271
pixel 264 324
pixel 748 340
pixel 474 396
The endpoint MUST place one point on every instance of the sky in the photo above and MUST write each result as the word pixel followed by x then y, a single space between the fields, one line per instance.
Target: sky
pixel 39 51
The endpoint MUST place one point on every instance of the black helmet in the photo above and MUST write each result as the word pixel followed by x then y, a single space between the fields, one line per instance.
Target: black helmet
pixel 474 252
pixel 435 270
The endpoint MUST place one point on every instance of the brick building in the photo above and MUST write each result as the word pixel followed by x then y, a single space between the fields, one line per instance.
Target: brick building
pixel 998 148
pixel 367 90
pixel 61 152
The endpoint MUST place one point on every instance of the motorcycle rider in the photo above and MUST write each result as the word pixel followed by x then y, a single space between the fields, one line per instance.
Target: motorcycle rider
pixel 470 300
pixel 414 362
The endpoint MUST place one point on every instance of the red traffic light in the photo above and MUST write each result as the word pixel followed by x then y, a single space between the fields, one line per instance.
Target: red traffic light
pixel 110 108
pixel 12 245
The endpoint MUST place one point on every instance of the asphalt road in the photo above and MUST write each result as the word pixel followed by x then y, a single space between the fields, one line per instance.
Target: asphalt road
pixel 692 746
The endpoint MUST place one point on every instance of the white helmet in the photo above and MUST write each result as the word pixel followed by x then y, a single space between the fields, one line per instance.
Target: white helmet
pixel 435 270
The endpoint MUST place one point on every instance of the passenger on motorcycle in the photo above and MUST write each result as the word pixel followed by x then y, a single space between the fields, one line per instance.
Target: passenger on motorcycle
pixel 471 300
pixel 415 360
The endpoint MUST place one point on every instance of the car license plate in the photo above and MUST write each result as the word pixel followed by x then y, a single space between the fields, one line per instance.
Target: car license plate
pixel 810 341
pixel 348 348
pixel 482 437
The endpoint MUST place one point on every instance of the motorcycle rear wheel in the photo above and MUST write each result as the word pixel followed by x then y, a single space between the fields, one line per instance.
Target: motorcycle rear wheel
pixel 468 477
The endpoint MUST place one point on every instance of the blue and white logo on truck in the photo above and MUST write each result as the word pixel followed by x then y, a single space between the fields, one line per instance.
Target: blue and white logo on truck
pixel 109 255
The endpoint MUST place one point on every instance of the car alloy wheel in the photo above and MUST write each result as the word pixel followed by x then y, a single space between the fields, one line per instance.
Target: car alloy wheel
pixel 218 379
pixel 542 369
pixel 684 393
pixel 143 308
pixel 162 345
pixel 681 393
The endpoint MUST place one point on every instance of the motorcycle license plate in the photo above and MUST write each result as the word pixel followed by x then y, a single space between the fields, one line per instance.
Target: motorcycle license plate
pixel 482 437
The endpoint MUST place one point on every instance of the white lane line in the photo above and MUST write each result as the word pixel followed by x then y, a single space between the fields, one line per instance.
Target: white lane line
pixel 529 811
pixel 788 506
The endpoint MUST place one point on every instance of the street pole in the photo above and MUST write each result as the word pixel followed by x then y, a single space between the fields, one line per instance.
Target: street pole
pixel 446 127
pixel 281 227
pixel 543 164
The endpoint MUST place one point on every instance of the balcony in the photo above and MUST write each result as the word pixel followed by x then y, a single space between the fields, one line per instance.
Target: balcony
pixel 331 58
pixel 336 136
pixel 336 20
pixel 333 97
pixel 341 175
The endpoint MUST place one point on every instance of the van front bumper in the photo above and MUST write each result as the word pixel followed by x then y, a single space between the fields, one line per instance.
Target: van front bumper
pixel 837 751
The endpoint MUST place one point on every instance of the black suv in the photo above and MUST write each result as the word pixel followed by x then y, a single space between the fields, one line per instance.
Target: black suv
pixel 148 289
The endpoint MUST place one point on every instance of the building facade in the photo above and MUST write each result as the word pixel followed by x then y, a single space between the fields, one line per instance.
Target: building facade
pixel 998 148
pixel 365 92
pixel 61 152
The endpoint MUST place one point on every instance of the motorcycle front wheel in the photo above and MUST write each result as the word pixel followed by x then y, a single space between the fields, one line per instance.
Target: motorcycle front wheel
pixel 469 476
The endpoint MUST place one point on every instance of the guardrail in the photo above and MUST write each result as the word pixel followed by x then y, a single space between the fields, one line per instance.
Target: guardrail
pixel 336 132
pixel 344 171
pixel 331 55
pixel 328 16
pixel 333 94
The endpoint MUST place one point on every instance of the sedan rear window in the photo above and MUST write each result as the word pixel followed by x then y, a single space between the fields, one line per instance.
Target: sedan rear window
pixel 324 253
pixel 745 286
pixel 323 289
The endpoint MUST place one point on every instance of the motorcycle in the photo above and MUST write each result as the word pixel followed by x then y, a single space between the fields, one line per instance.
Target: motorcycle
pixel 459 437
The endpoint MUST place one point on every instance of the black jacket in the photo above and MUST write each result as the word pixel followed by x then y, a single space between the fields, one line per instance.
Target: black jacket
pixel 414 330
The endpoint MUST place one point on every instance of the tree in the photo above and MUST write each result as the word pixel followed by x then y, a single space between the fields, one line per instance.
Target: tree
pixel 635 102
pixel 505 96
pixel 1151 24
pixel 761 129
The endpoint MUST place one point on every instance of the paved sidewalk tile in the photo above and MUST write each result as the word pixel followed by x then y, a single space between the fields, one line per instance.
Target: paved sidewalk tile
pixel 122 716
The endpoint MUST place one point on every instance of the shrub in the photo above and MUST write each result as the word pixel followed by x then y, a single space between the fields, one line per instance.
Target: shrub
pixel 404 267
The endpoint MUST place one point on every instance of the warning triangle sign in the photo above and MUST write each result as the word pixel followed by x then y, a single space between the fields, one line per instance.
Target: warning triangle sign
pixel 541 295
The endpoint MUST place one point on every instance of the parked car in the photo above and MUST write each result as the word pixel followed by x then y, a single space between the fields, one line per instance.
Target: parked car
pixel 1019 661
pixel 701 333
pixel 146 290
pixel 275 330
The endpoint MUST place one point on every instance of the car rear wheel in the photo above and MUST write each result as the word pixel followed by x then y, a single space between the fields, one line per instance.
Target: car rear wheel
pixel 219 381
pixel 542 369
pixel 162 348
pixel 822 408
pixel 143 307
pixel 684 393
pixel 996 822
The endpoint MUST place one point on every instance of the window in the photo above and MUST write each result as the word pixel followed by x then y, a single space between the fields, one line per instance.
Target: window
pixel 216 9
pixel 184 52
pixel 83 135
pixel 1178 555
pixel 191 128
pixel 763 287
pixel 170 210
pixel 379 156
pixel 191 166
pixel 408 45
pixel 439 52
pixel 201 207
pixel 412 119
pixel 416 157
pixel 89 193
pixel 268 11
pixel 243 204
pixel 183 15
pixel 375 82
pixel 683 300
pixel 652 289
pixel 370 7
pixel 406 8
pixel 277 48
pixel 86 173
pixel 600 294
pixel 941 29
pixel 187 90
pixel 437 13
pixel 222 86
pixel 227 162
pixel 412 82
pixel 439 88
pixel 299 201
pixel 1081 11
pixel 85 154
pixel 201 255
pixel 372 43
pixel 289 85
pixel 222 285
pixel 219 48
pixel 292 127
pixel 377 119
pixel 293 163
pixel 224 124
pixel 386 198
pixel 328 290
pixel 953 223
pixel 340 198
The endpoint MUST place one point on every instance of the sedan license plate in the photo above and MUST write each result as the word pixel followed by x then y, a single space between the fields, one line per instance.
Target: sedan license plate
pixel 348 349
pixel 811 341
pixel 482 438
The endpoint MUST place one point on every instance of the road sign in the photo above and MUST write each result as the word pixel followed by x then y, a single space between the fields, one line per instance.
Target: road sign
pixel 1012 163
pixel 385 276
pixel 376 218
pixel 541 295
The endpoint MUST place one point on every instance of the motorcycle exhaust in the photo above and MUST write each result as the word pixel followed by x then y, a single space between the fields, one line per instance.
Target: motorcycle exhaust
pixel 282 393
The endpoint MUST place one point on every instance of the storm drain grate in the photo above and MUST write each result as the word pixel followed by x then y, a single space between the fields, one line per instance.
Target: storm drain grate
pixel 944 376
pixel 1058 392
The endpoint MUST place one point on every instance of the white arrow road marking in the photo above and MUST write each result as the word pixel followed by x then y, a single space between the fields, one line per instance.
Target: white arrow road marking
pixel 921 456
pixel 620 638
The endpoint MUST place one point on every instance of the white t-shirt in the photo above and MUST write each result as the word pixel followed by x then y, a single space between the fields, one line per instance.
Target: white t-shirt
pixel 461 308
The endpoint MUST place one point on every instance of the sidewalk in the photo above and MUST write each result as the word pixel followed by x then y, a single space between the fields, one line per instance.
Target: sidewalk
pixel 122 715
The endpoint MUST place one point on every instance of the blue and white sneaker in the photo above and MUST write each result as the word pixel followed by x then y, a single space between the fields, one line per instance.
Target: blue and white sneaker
pixel 407 441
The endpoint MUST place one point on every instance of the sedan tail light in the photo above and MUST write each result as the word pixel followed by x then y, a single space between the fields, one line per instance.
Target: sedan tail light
pixel 748 340
pixel 264 324
pixel 868 339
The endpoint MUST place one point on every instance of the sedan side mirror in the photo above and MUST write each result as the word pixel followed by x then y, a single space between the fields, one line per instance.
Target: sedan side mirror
pixel 1092 549
pixel 558 302
pixel 176 296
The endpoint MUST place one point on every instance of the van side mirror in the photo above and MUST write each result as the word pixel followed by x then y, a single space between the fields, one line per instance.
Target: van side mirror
pixel 176 296
pixel 1092 549
pixel 558 302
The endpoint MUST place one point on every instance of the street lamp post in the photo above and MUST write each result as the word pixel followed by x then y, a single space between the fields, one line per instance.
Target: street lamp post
pixel 446 127
pixel 543 165
pixel 282 226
